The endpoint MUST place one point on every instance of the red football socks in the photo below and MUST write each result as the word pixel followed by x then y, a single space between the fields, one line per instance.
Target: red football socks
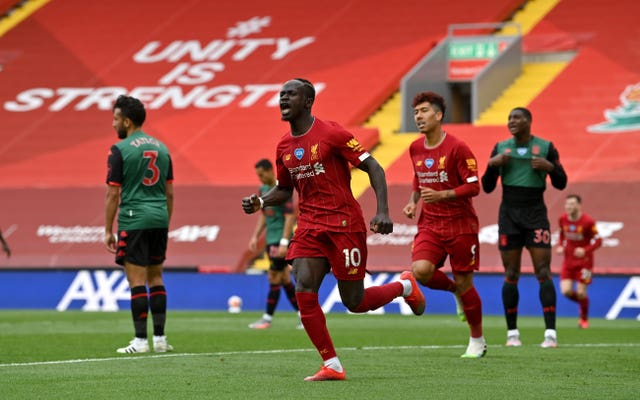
pixel 440 281
pixel 315 324
pixel 377 296
pixel 472 306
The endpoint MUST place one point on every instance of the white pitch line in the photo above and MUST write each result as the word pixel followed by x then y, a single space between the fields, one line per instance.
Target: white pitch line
pixel 279 351
pixel 146 357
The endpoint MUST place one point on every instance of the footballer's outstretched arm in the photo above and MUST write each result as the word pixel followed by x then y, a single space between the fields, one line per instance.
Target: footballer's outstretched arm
pixel 274 197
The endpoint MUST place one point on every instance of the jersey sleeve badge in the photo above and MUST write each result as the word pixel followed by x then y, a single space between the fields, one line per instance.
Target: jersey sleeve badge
pixel 354 145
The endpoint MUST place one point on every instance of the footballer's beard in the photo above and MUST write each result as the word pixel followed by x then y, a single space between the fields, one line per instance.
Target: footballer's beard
pixel 122 133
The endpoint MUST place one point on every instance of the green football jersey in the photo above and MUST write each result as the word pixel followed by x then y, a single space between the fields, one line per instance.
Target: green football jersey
pixel 141 166
pixel 518 171
pixel 274 217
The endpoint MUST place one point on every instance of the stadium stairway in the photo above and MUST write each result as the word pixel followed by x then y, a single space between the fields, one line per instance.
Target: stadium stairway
pixel 535 75
pixel 16 12
pixel 534 78
pixel 528 16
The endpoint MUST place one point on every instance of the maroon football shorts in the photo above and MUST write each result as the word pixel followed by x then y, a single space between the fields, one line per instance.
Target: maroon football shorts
pixel 582 274
pixel 345 251
pixel 463 250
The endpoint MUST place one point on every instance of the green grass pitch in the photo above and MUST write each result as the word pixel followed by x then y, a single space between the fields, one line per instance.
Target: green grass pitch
pixel 71 355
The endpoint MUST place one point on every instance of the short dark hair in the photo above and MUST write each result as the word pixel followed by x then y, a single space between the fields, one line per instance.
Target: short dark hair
pixel 525 111
pixel 432 98
pixel 309 90
pixel 264 164
pixel 575 196
pixel 131 108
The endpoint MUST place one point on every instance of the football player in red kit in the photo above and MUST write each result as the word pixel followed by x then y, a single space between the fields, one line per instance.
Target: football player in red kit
pixel 314 158
pixel 445 178
pixel 578 240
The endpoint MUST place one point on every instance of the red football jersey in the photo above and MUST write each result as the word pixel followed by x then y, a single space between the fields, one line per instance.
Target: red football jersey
pixel 317 165
pixel 579 233
pixel 446 166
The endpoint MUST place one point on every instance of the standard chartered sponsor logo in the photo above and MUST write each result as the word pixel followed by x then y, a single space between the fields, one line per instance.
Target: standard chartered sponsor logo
pixel 306 171
pixel 427 174
pixel 432 177
pixel 305 175
pixel 301 172
pixel 299 168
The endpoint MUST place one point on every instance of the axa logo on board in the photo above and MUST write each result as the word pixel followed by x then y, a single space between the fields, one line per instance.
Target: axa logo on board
pixel 97 291
pixel 186 84
pixel 101 290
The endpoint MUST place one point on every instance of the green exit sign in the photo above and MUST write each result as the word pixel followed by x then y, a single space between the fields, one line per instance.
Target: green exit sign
pixel 473 50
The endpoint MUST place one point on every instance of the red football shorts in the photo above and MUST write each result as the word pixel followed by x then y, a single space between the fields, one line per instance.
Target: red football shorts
pixel 345 251
pixel 463 250
pixel 579 274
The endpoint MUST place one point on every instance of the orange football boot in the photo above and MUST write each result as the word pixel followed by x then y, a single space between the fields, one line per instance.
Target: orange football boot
pixel 327 374
pixel 415 299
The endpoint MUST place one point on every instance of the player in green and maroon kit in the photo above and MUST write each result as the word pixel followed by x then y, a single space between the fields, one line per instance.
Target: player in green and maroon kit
pixel 445 178
pixel 139 179
pixel 277 222
pixel 578 240
pixel 523 163
pixel 314 159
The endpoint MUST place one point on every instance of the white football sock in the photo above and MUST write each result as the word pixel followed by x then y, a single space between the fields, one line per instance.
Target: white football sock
pixel 334 364
pixel 407 288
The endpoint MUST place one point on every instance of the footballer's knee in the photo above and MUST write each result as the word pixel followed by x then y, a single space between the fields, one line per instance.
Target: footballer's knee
pixel 566 292
pixel 423 271
pixel 512 274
